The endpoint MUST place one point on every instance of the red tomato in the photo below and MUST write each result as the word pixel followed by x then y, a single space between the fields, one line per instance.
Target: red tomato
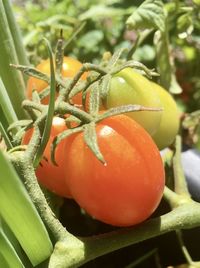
pixel 126 190
pixel 70 68
pixel 49 175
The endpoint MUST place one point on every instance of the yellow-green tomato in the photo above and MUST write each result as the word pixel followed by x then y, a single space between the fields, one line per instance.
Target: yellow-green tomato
pixel 170 119
pixel 130 87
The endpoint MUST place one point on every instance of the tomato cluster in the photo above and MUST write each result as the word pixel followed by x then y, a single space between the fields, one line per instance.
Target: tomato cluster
pixel 129 186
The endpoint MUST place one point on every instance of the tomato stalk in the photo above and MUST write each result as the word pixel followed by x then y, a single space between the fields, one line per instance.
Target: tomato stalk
pixel 179 177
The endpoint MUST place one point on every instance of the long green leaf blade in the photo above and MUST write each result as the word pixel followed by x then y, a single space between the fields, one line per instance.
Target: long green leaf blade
pixel 15 243
pixel 5 137
pixel 8 251
pixel 19 213
pixel 50 113
pixel 3 262
pixel 16 34
pixel 12 79
pixel 7 105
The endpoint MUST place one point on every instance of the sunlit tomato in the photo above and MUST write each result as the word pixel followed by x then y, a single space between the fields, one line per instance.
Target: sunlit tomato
pixel 170 119
pixel 49 175
pixel 130 87
pixel 128 188
pixel 70 68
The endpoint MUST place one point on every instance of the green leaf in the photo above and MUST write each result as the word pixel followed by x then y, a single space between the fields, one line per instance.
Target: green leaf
pixel 165 63
pixel 12 79
pixel 197 2
pixel 150 14
pixel 101 11
pixel 3 262
pixel 18 211
pixel 3 119
pixel 15 243
pixel 8 252
pixel 90 138
pixel 7 105
pixel 5 137
pixel 91 40
pixel 184 22
pixel 50 113
pixel 16 34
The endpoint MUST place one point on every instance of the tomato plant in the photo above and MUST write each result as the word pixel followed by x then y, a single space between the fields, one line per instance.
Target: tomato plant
pixel 128 188
pixel 130 87
pixel 69 69
pixel 169 124
pixel 49 175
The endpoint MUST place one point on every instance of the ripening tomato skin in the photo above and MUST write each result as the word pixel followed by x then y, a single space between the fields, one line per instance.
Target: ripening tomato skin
pixel 129 187
pixel 170 119
pixel 70 68
pixel 49 175
pixel 130 87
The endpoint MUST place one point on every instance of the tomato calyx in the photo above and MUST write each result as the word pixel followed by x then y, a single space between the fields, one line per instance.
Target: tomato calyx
pixel 89 128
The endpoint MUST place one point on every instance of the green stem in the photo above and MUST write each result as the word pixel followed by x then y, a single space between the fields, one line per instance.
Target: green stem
pixel 171 197
pixel 63 108
pixel 179 177
pixel 27 172
pixel 183 247
pixel 31 105
pixel 143 258
pixel 86 67
pixel 80 251
pixel 183 217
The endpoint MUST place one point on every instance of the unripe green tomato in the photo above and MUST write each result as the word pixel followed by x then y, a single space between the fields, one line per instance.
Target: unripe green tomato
pixel 170 119
pixel 130 87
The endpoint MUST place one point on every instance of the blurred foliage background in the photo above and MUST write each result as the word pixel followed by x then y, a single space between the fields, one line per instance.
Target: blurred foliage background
pixel 91 28
pixel 100 27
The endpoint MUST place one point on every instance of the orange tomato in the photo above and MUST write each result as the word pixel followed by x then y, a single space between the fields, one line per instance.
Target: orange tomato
pixel 69 69
pixel 126 190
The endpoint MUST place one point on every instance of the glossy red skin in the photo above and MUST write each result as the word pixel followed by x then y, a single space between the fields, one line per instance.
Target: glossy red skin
pixel 49 175
pixel 70 68
pixel 128 189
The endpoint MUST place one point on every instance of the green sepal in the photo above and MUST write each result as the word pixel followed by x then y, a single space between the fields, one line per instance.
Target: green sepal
pixel 59 138
pixel 90 138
